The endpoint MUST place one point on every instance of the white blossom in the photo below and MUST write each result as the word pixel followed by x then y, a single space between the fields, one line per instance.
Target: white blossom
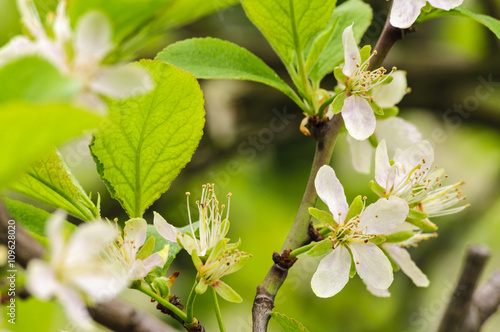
pixel 405 12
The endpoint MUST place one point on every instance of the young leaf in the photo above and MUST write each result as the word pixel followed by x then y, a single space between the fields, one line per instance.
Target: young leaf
pixel 147 249
pixel 321 248
pixel 226 292
pixel 376 188
pixel 35 130
pixel 389 112
pixel 215 58
pixel 332 54
pixel 49 180
pixel 424 224
pixel 150 138
pixel 289 25
pixel 338 103
pixel 417 215
pixel 35 80
pixel 491 23
pixel 399 236
pixel 160 243
pixel 288 324
pixel 322 216
pixel 365 52
pixel 376 109
pixel 31 218
pixel 355 208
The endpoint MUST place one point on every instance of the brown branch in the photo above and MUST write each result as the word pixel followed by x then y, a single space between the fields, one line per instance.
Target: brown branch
pixel 115 314
pixel 469 308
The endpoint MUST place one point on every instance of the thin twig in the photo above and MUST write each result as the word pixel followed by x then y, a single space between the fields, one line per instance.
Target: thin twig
pixel 115 314
pixel 468 308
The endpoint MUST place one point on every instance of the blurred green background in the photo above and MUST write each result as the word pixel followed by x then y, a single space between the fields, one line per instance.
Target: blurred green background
pixel 266 169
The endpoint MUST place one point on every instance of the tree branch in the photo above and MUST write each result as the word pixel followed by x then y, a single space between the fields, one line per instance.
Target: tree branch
pixel 115 314
pixel 468 308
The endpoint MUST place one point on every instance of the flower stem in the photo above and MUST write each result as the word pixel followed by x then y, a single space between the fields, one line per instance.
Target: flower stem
pixel 190 304
pixel 161 301
pixel 217 309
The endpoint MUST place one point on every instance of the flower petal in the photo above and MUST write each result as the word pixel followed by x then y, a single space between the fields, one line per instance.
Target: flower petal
pixel 358 116
pixel 166 230
pixel 351 52
pixel 87 241
pixel 134 236
pixel 382 165
pixel 418 153
pixel 390 95
pixel 75 308
pixel 398 133
pixel 54 230
pixel 362 153
pixel 331 192
pixel 101 285
pixel 41 282
pixel 31 19
pixel 372 265
pixel 92 38
pixel 405 12
pixel 384 215
pixel 403 259
pixel 445 4
pixel 122 81
pixel 332 273
pixel 378 292
pixel 61 26
pixel 17 47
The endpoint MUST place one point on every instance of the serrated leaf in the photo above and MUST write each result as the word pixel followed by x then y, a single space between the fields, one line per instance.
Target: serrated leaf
pixel 322 216
pixel 491 23
pixel 160 243
pixel 214 58
pixel 150 138
pixel 49 180
pixel 35 80
pixel 289 25
pixel 355 208
pixel 288 324
pixel 332 54
pixel 35 130
pixel 321 248
pixel 32 218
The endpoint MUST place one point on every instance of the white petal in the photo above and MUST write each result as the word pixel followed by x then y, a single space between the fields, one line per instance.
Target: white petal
pixel 122 81
pixel 17 47
pixel 55 234
pixel 41 282
pixel 87 241
pixel 404 227
pixel 390 95
pixel 384 215
pixel 362 153
pixel 142 268
pixel 332 273
pixel 398 133
pixel 403 259
pixel 372 265
pixel 134 236
pixel 61 26
pixel 92 38
pixel 166 230
pixel 358 117
pixel 331 192
pixel 75 308
pixel 378 292
pixel 445 4
pixel 103 285
pixel 418 153
pixel 351 52
pixel 30 18
pixel 382 165
pixel 405 12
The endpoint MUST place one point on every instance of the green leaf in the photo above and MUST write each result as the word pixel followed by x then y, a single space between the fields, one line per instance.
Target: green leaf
pixel 214 58
pixel 340 76
pixel 288 324
pixel 365 53
pixel 338 103
pixel 321 248
pixel 425 224
pixel 388 112
pixel 35 130
pixel 32 218
pixel 147 249
pixel 355 208
pixel 150 138
pixel 377 110
pixel 160 243
pixel 181 12
pixel 226 292
pixel 376 188
pixel 322 216
pixel 49 180
pixel 289 25
pixel 377 240
pixel 35 80
pixel 399 236
pixel 417 215
pixel 332 53
pixel 352 270
pixel 488 21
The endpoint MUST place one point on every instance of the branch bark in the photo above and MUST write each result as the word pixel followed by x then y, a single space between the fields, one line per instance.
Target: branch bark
pixel 469 308
pixel 115 314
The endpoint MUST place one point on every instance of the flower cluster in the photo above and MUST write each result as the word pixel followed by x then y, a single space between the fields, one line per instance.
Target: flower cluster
pixel 80 54
pixel 212 254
